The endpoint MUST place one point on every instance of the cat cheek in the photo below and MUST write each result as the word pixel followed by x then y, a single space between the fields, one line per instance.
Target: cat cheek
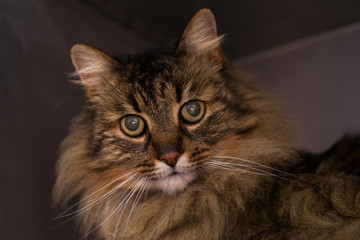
pixel 161 169
pixel 183 163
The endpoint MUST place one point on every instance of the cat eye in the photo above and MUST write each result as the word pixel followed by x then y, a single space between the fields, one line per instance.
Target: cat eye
pixel 132 125
pixel 193 111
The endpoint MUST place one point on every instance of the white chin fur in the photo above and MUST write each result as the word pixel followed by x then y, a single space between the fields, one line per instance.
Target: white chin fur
pixel 172 184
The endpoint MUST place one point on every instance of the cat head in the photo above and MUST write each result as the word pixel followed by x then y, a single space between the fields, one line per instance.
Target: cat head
pixel 164 118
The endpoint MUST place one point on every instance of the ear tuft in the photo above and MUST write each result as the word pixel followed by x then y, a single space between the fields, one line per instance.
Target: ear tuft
pixel 200 35
pixel 91 65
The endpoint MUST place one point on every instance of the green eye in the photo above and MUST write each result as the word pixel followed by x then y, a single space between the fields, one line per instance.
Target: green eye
pixel 193 111
pixel 132 125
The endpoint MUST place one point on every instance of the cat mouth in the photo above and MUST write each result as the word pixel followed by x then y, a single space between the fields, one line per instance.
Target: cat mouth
pixel 174 182
pixel 174 173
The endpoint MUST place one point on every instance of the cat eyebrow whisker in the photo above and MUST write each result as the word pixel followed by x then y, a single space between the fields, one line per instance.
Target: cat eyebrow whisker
pixel 119 207
pixel 264 166
pixel 63 214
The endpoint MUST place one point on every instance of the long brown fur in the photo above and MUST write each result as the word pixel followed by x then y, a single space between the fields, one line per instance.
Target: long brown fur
pixel 244 178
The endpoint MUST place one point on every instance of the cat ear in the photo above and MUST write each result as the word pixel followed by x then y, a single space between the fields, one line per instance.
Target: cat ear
pixel 200 36
pixel 91 65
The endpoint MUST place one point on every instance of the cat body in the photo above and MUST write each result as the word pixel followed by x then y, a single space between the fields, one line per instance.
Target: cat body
pixel 181 145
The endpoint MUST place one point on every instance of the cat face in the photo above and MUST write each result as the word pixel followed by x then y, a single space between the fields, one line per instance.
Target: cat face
pixel 162 120
pixel 162 116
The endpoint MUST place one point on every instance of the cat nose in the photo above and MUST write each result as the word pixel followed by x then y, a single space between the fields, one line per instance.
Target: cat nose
pixel 170 158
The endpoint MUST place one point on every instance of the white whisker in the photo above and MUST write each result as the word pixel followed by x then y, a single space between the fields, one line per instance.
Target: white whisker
pixel 63 214
pixel 99 199
pixel 135 189
pixel 236 168
pixel 128 196
pixel 264 166
pixel 136 200
pixel 239 165
pixel 216 166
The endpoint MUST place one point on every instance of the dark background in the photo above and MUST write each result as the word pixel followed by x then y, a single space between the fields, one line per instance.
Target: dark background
pixel 307 53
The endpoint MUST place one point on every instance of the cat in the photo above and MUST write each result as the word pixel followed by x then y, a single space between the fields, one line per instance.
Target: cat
pixel 179 144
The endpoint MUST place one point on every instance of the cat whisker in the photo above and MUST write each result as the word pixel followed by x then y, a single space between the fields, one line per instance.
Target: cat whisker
pixel 119 207
pixel 237 167
pixel 63 214
pixel 136 200
pixel 264 166
pixel 99 199
pixel 222 167
pixel 124 206
pixel 95 202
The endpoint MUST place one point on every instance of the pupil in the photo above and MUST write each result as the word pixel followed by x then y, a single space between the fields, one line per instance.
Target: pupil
pixel 132 123
pixel 193 109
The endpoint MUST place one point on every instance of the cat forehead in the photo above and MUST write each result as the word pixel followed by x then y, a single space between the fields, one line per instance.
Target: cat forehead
pixel 154 86
pixel 171 78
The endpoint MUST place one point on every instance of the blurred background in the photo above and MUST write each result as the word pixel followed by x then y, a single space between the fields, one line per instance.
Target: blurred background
pixel 306 53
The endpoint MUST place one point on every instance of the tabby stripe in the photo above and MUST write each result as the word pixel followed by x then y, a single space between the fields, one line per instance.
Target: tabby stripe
pixel 162 90
pixel 105 167
pixel 144 165
pixel 146 170
pixel 134 103
pixel 245 130
pixel 143 97
pixel 198 158
pixel 178 90
pixel 197 151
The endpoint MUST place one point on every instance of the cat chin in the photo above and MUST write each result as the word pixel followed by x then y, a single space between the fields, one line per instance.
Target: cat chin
pixel 174 183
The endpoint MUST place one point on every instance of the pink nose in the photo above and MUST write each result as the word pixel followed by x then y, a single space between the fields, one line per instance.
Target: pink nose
pixel 170 158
